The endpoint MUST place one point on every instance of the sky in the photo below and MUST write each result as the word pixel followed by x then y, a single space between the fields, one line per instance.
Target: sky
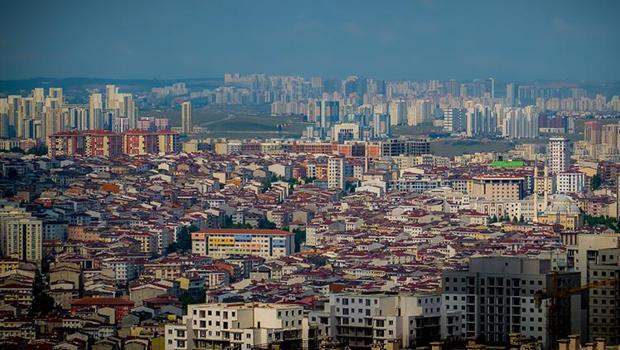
pixel 383 39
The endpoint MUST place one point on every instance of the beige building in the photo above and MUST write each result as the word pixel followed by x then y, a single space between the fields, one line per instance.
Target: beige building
pixel 21 235
pixel 497 187
pixel 237 326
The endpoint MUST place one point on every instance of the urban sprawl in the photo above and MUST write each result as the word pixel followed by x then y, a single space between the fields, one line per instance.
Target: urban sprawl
pixel 126 229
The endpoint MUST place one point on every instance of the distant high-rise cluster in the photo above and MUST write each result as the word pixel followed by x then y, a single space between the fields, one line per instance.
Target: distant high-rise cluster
pixel 38 116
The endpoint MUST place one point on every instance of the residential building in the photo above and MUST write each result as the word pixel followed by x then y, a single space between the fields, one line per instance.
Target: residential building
pixel 497 296
pixel 237 326
pixel 265 243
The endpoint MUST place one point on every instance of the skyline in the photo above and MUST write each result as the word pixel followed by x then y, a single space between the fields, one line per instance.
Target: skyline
pixel 405 40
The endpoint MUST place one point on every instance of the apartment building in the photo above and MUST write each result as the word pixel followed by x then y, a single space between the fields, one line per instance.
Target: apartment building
pixel 21 235
pixel 237 326
pixel 604 301
pixel 358 320
pixel 496 296
pixel 220 243
pixel 498 187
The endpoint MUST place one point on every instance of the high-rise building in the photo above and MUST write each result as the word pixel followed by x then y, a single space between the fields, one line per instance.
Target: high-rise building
pixel 21 235
pixel 359 320
pixel 335 173
pixel 329 114
pixel 398 112
pixel 520 123
pixel 481 121
pixel 95 112
pixel 497 296
pixel 603 305
pixel 454 119
pixel 419 112
pixel 558 154
pixel 111 93
pixel 592 132
pixel 490 87
pixel 57 94
pixel 511 95
pixel 186 117
pixel 128 110
pixel 610 137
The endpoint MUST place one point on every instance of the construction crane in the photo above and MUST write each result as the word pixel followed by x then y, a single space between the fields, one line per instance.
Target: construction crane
pixel 555 294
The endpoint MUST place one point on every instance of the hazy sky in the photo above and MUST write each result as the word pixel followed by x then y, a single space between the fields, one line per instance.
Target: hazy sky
pixel 413 39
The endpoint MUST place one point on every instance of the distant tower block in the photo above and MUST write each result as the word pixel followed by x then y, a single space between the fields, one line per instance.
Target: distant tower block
pixel 186 117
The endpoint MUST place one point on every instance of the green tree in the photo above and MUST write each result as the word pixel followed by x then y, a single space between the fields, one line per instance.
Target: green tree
pixel 17 150
pixel 493 219
pixel 184 238
pixel 42 303
pixel 266 224
pixel 38 150
pixel 300 238
pixel 596 182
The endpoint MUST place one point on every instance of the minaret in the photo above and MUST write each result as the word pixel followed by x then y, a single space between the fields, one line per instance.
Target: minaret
pixel 546 189
pixel 366 157
pixel 536 191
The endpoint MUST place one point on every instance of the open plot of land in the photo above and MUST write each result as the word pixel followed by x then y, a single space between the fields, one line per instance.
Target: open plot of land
pixel 234 121
pixel 451 147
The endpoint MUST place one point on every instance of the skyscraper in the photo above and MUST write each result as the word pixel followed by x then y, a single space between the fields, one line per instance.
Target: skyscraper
pixel 454 119
pixel 592 132
pixel 111 93
pixel 610 137
pixel 558 154
pixel 520 123
pixel 398 112
pixel 329 115
pixel 490 87
pixel 481 120
pixel 95 112
pixel 511 95
pixel 186 117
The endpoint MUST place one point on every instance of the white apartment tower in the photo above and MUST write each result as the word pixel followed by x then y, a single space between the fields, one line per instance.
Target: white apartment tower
pixel 558 155
pixel 335 173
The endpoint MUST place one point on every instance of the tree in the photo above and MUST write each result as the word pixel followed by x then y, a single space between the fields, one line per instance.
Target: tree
pixel 265 184
pixel 17 150
pixel 184 238
pixel 493 219
pixel 38 150
pixel 266 224
pixel 42 303
pixel 596 182
pixel 300 238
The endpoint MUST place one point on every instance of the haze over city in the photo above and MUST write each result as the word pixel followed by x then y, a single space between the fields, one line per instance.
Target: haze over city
pixel 426 39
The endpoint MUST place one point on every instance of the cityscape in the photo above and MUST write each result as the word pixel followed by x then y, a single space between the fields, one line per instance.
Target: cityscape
pixel 300 205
